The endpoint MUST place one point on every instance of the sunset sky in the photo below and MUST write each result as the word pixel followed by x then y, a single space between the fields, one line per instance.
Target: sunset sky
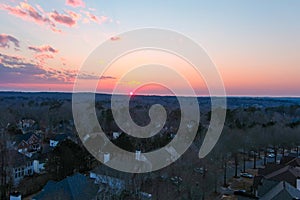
pixel 255 44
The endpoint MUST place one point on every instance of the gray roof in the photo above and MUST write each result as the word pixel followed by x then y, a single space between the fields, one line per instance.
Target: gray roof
pixel 277 191
pixel 76 187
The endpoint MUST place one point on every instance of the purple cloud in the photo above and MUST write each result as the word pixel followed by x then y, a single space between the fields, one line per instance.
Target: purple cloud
pixel 43 49
pixel 14 69
pixel 5 41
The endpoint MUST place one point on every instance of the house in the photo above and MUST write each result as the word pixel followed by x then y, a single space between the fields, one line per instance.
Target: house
pixel 22 166
pixel 277 190
pixel 283 176
pixel 28 143
pixel 57 139
pixel 76 187
pixel 115 180
pixel 25 125
pixel 288 170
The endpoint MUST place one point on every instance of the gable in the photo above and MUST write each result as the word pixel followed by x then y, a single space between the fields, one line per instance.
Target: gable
pixel 33 139
pixel 22 145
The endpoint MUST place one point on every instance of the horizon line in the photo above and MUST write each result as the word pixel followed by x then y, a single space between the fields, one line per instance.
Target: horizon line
pixel 162 95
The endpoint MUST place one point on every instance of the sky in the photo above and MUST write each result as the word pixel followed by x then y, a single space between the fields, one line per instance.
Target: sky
pixel 254 44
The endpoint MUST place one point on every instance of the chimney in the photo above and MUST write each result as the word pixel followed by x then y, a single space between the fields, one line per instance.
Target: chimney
pixel 138 155
pixel 106 157
pixel 15 196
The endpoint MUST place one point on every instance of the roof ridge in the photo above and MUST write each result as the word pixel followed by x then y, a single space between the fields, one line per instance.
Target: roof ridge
pixel 277 172
pixel 70 186
pixel 274 191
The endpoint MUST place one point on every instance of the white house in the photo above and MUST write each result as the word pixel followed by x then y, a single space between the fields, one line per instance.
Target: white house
pixel 111 178
pixel 23 166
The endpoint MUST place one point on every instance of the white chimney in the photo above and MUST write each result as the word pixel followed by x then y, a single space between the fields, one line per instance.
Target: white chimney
pixel 138 155
pixel 36 165
pixel 15 196
pixel 298 183
pixel 106 157
pixel 116 135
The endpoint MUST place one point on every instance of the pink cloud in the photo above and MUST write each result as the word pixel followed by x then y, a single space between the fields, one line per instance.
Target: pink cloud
pixel 27 12
pixel 74 15
pixel 5 41
pixel 38 15
pixel 115 38
pixel 75 3
pixel 43 49
pixel 94 18
pixel 63 19
pixel 18 70
pixel 43 57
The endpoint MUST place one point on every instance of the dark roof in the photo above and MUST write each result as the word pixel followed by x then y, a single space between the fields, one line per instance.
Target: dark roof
pixel 277 191
pixel 60 137
pixel 288 173
pixel 291 161
pixel 20 137
pixel 76 187
pixel 17 159
pixel 266 186
pixel 286 159
pixel 269 168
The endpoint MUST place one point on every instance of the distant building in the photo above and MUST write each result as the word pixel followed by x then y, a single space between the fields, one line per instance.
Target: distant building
pixel 25 125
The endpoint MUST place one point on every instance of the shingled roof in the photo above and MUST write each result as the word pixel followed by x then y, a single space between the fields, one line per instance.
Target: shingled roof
pixel 275 190
pixel 76 187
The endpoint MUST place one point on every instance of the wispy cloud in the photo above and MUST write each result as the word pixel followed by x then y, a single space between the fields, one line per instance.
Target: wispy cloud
pixel 16 69
pixel 52 19
pixel 27 12
pixel 64 19
pixel 42 49
pixel 6 40
pixel 94 18
pixel 75 3
pixel 115 38
pixel 87 76
pixel 42 57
